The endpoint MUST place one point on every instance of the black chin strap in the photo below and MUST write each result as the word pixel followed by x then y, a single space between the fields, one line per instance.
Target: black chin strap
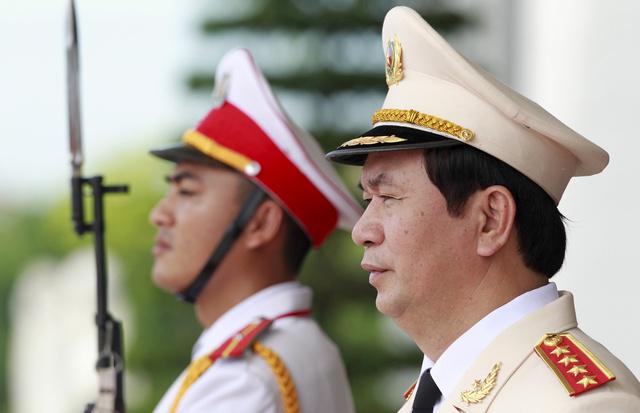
pixel 190 294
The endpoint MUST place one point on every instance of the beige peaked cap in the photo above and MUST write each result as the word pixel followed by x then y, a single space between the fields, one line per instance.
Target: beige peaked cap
pixel 438 91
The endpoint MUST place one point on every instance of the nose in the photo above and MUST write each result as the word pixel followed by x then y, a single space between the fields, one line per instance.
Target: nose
pixel 367 231
pixel 161 215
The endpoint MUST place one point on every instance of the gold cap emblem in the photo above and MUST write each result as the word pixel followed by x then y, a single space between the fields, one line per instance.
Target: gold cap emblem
pixel 393 62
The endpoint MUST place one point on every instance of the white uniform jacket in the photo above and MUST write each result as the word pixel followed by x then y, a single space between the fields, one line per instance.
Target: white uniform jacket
pixel 247 384
pixel 524 383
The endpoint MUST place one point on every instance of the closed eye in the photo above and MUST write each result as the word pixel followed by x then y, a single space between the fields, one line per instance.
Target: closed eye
pixel 186 192
pixel 387 197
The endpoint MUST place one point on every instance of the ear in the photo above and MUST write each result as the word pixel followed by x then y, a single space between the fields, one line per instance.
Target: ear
pixel 264 226
pixel 496 216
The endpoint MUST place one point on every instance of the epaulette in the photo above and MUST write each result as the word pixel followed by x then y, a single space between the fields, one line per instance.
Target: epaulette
pixel 577 368
pixel 247 338
pixel 236 345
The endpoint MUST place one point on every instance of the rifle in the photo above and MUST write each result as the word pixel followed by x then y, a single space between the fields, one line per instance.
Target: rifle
pixel 110 364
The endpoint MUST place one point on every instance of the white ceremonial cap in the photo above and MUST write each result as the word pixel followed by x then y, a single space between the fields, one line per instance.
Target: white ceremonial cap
pixel 438 98
pixel 248 130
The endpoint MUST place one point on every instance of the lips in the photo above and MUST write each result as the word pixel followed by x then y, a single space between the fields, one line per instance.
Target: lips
pixel 372 268
pixel 375 272
pixel 160 246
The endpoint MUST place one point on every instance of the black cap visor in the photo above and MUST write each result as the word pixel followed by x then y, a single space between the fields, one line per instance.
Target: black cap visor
pixel 411 139
pixel 185 153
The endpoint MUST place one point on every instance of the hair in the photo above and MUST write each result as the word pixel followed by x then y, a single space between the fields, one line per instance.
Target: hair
pixel 296 242
pixel 459 171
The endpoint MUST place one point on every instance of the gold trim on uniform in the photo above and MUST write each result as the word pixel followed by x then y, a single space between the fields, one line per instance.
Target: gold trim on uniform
pixel 553 366
pixel 195 370
pixel 605 370
pixel 372 140
pixel 422 119
pixel 575 364
pixel 285 382
pixel 481 388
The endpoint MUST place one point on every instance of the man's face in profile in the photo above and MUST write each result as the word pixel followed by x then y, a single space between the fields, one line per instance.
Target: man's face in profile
pixel 191 219
pixel 412 246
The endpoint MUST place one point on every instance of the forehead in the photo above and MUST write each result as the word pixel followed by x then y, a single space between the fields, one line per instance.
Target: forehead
pixel 393 167
pixel 198 168
pixel 209 175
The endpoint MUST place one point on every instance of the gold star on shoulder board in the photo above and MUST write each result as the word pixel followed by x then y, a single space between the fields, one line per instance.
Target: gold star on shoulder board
pixel 560 350
pixel 568 359
pixel 587 380
pixel 577 369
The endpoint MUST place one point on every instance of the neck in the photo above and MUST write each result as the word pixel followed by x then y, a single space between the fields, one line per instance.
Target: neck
pixel 236 279
pixel 496 284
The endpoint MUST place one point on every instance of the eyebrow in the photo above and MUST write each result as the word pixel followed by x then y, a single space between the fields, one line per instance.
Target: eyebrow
pixel 376 181
pixel 176 178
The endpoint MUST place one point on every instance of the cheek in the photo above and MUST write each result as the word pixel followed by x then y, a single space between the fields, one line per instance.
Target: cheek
pixel 198 229
pixel 423 239
pixel 406 232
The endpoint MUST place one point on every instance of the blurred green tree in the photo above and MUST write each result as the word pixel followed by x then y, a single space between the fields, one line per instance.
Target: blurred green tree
pixel 325 60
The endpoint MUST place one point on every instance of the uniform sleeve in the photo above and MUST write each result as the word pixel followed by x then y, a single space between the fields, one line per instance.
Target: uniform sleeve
pixel 232 386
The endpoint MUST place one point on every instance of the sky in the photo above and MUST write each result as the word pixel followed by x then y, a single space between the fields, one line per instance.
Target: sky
pixel 132 71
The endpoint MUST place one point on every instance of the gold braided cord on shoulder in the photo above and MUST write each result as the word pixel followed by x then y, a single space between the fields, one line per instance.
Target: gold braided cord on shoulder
pixel 194 371
pixel 422 119
pixel 285 383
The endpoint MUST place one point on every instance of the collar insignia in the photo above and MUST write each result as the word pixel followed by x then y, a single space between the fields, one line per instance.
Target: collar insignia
pixel 481 388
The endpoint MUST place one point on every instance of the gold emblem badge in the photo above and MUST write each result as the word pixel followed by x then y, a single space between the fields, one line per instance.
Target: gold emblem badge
pixel 393 64
pixel 481 388
pixel 372 140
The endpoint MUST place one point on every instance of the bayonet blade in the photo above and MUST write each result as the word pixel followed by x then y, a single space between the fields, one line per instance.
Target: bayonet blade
pixel 73 92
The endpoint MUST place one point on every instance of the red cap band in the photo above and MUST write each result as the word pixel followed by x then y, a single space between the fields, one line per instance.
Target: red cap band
pixel 228 126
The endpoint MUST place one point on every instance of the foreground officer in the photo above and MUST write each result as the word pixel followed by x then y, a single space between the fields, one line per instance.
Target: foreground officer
pixel 462 176
pixel 249 195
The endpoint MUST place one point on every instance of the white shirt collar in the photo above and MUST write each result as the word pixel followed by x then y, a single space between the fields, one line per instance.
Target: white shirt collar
pixel 459 356
pixel 269 303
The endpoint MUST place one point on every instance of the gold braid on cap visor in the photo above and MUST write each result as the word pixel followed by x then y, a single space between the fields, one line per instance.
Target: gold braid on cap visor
pixel 422 119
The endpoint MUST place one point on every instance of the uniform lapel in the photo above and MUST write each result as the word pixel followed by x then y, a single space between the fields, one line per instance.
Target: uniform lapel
pixel 508 351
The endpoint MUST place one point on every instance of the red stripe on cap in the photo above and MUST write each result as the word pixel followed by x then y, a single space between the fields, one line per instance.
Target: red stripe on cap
pixel 227 125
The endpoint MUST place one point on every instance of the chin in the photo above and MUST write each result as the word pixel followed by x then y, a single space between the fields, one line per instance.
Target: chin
pixel 388 306
pixel 166 282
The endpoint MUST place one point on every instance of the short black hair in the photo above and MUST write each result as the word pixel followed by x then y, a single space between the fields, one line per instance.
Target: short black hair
pixel 459 171
pixel 296 242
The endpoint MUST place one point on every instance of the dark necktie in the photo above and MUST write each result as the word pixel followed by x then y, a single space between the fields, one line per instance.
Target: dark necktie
pixel 427 394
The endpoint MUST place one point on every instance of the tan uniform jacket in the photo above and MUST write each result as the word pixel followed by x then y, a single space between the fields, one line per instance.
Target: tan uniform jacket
pixel 525 384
